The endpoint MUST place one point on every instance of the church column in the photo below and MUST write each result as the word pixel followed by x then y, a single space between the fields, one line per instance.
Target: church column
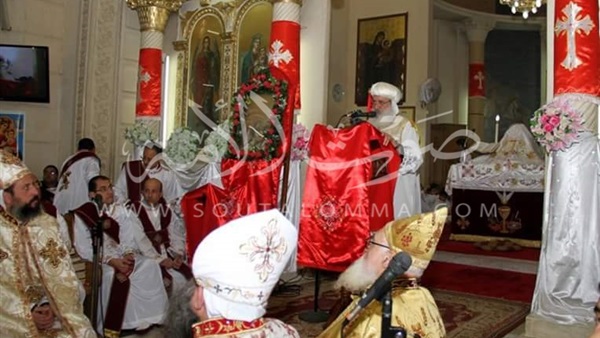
pixel 153 16
pixel 569 267
pixel 476 34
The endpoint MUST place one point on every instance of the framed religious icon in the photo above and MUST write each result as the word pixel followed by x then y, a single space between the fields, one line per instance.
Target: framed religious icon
pixel 253 41
pixel 408 112
pixel 12 133
pixel 380 54
pixel 221 45
pixel 204 73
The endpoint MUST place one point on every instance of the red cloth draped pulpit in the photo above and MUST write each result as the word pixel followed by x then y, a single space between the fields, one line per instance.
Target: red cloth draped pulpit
pixel 348 193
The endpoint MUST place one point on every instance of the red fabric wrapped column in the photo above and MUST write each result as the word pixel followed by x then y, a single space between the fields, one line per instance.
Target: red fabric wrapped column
pixel 153 16
pixel 576 48
pixel 476 80
pixel 284 55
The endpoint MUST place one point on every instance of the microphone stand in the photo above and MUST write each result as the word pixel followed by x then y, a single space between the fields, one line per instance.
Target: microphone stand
pixel 387 330
pixel 316 315
pixel 97 245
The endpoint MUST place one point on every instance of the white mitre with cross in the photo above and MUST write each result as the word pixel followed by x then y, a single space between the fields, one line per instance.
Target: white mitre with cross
pixel 239 264
pixel 11 170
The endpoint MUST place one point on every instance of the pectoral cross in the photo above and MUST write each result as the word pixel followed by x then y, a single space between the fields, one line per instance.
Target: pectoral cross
pixel 572 26
pixel 65 181
pixel 479 77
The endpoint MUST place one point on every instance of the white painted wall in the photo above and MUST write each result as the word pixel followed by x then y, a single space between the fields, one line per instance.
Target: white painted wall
pixel 450 48
pixel 344 53
pixel 314 61
pixel 128 76
pixel 48 127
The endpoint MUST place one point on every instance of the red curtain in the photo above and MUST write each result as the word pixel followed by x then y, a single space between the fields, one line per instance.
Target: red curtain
pixel 204 210
pixel 253 184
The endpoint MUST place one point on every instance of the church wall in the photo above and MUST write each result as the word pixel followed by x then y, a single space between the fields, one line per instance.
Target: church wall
pixel 127 92
pixel 344 26
pixel 419 12
pixel 48 126
pixel 338 62
pixel 451 69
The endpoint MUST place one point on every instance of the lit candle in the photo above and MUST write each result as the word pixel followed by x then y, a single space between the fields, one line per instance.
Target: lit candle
pixel 497 124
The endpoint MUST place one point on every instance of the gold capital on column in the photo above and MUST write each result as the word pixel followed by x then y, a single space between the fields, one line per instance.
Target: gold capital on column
pixel 154 14
pixel 298 2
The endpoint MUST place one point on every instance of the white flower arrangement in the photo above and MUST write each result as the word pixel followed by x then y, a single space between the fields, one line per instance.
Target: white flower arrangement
pixel 183 146
pixel 139 134
pixel 216 143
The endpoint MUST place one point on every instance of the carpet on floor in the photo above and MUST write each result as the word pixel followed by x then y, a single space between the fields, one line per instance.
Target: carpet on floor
pixel 479 281
pixel 529 254
pixel 464 315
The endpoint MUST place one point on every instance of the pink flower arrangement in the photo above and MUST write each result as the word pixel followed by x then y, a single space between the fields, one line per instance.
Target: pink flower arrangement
pixel 556 125
pixel 300 137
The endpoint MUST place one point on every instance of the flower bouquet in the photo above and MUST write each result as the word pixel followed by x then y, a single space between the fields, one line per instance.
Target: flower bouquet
pixel 138 134
pixel 299 143
pixel 556 125
pixel 183 146
pixel 216 143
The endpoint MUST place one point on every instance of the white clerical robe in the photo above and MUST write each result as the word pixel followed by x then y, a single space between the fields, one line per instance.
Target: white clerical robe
pixel 176 238
pixel 171 188
pixel 407 194
pixel 147 301
pixel 72 189
pixel 35 265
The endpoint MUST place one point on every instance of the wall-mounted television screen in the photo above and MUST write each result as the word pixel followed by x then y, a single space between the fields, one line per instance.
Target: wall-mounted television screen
pixel 24 73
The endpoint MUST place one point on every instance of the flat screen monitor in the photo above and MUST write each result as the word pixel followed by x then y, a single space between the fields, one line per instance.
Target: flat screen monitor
pixel 24 73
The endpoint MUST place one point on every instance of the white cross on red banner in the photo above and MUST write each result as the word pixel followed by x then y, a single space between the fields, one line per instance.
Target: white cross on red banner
pixel 576 47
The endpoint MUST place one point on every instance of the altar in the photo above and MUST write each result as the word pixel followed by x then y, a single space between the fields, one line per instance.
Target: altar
pixel 499 196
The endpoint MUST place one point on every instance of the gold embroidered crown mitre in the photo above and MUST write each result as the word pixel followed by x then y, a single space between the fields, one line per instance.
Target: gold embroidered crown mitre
pixel 418 236
pixel 11 169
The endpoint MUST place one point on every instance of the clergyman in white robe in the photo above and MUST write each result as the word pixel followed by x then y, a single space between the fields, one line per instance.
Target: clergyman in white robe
pixel 75 173
pixel 407 194
pixel 172 190
pixel 176 234
pixel 147 300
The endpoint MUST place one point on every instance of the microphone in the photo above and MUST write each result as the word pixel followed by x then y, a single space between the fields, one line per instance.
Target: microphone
pixel 398 265
pixel 360 113
pixel 99 202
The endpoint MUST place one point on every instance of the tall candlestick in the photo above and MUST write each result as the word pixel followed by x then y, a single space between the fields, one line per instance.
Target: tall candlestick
pixel 497 124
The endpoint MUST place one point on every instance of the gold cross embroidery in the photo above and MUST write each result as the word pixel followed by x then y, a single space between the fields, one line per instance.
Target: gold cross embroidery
pixel 53 253
pixel 65 180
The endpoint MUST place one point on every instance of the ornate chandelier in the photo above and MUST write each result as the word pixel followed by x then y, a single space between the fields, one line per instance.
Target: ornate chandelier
pixel 523 6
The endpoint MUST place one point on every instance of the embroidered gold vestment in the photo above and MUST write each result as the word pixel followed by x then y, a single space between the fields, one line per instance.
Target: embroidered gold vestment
pixel 35 264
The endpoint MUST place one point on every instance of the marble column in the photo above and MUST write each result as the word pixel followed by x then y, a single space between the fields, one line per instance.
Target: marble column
pixel 153 16
pixel 476 34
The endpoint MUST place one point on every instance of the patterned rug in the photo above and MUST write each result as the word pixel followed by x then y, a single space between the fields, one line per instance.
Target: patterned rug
pixel 464 315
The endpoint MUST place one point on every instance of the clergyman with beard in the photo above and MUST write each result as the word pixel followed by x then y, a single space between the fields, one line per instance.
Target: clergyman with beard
pixel 38 283
pixel 413 307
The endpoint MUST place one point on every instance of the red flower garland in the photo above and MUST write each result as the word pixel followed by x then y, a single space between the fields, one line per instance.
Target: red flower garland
pixel 271 146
